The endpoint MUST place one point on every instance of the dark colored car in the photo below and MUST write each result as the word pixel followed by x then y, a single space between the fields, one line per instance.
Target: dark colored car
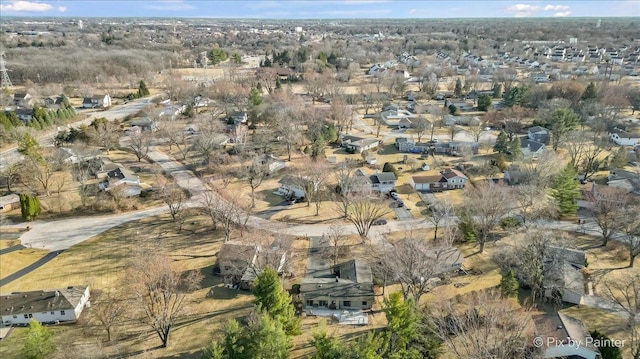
pixel 380 222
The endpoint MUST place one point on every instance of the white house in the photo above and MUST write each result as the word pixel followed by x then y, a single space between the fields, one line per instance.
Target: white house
pixel 97 101
pixel 45 306
pixel 289 186
pixel 447 179
pixel 383 182
pixel 623 138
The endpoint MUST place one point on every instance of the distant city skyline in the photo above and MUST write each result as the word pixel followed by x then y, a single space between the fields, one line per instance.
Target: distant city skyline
pixel 334 9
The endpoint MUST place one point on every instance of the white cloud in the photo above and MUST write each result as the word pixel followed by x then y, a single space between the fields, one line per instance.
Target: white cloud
pixel 556 8
pixel 62 8
pixel 562 14
pixel 523 10
pixel 25 6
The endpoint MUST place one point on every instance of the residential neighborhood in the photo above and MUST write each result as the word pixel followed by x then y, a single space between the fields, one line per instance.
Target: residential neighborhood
pixel 293 182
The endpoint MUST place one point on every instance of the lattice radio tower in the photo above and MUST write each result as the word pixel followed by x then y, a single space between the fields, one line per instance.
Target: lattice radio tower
pixel 5 81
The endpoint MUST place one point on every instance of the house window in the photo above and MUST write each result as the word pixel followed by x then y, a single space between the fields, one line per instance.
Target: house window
pixel 52 313
pixel 322 303
pixel 364 303
pixel 26 316
pixel 310 303
pixel 62 312
pixel 15 317
pixel 346 303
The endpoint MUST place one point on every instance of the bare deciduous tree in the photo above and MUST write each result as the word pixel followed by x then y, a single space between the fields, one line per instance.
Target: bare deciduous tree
pixel 313 183
pixel 420 126
pixel 159 291
pixel 254 174
pixel 414 263
pixel 484 326
pixel 607 206
pixel 441 213
pixel 139 144
pixel 485 206
pixel 175 198
pixel 109 309
pixel 363 211
pixel 626 294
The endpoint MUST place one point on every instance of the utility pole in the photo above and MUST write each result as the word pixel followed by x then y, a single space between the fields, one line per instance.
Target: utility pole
pixel 5 81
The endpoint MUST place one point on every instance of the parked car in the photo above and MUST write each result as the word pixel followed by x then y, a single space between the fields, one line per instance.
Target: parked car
pixel 394 195
pixel 379 222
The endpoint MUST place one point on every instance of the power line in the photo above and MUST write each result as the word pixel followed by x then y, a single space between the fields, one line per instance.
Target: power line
pixel 5 81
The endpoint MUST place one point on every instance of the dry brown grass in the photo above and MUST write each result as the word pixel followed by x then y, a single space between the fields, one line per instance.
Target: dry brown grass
pixel 16 260
pixel 609 324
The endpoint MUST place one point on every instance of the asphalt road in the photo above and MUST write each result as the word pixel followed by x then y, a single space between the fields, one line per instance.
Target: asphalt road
pixel 12 249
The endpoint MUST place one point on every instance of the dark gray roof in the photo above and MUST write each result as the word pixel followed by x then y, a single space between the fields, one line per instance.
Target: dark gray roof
pixel 41 300
pixel 533 146
pixel 351 279
pixel 383 177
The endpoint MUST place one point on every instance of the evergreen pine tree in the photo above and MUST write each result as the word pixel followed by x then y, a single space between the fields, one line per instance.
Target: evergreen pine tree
pixel 274 300
pixel 566 191
pixel 497 90
pixel 37 344
pixel 458 89
pixel 142 89
pixel 590 92
pixel 502 143
pixel 607 349
pixel 509 284
pixel 514 148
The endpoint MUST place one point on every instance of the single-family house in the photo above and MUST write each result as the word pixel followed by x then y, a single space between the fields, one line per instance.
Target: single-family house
pixel 383 182
pixel 374 69
pixel 9 202
pixel 24 114
pixel 348 285
pixel 45 306
pixel 563 276
pixel 456 148
pixel 358 144
pixel 404 123
pixel 69 155
pixel 239 118
pixel 273 164
pixel 392 117
pixel 120 176
pixel 447 179
pixel 133 131
pixel 240 263
pixel 289 186
pixel 628 180
pixel 145 124
pixel 623 138
pixel 530 148
pixel 360 183
pixel 404 144
pixel 22 99
pixel 97 101
pixel 538 134
pixel 53 102
pixel 460 105
pixel 572 340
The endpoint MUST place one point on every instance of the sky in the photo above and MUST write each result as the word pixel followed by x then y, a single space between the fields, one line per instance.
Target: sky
pixel 319 9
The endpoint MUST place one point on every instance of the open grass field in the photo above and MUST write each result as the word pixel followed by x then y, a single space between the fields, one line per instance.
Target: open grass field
pixel 16 260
